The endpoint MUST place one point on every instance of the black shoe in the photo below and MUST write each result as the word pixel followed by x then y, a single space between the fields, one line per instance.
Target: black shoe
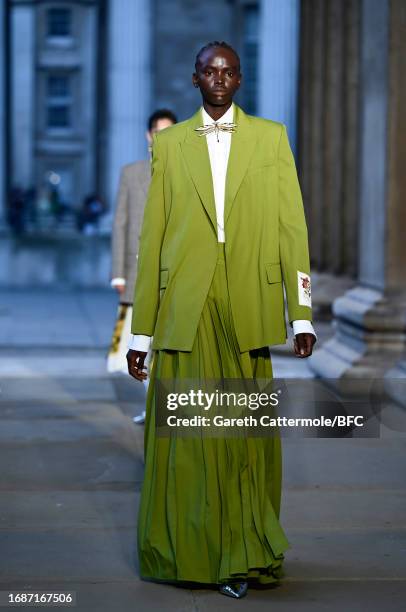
pixel 234 589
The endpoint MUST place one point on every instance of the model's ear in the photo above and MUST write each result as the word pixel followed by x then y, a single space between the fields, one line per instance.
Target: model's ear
pixel 195 79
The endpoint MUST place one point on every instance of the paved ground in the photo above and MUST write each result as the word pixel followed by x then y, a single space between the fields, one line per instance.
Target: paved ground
pixel 71 471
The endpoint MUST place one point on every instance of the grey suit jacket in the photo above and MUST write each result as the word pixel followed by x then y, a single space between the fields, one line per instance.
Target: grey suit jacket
pixel 131 198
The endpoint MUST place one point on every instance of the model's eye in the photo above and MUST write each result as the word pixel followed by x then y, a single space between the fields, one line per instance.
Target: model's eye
pixel 209 72
pixel 230 74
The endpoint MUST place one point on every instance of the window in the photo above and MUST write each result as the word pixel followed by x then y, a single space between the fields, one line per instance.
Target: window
pixel 58 117
pixel 58 100
pixel 59 21
pixel 58 85
pixel 250 57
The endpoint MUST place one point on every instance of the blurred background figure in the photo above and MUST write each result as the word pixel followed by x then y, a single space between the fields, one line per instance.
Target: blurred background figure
pixel 15 212
pixel 132 193
pixel 89 217
pixel 31 206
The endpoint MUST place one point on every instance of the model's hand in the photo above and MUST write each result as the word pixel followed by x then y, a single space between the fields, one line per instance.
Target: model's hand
pixel 135 360
pixel 303 344
pixel 120 288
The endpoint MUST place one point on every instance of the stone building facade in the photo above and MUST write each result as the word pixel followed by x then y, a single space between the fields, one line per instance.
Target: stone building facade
pixel 83 76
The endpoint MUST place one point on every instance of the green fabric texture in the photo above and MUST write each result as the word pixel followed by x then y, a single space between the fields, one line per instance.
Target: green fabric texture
pixel 265 228
pixel 209 508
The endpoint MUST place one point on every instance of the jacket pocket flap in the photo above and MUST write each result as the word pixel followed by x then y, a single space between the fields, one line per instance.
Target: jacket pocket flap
pixel 274 272
pixel 163 278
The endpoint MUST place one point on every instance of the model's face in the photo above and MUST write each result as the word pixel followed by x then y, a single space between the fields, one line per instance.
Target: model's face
pixel 159 125
pixel 218 76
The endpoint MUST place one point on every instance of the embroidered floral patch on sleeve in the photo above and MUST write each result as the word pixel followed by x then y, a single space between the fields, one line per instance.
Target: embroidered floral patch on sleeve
pixel 304 289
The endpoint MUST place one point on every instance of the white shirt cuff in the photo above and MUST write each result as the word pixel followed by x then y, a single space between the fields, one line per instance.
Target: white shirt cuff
pixel 117 281
pixel 302 326
pixel 138 342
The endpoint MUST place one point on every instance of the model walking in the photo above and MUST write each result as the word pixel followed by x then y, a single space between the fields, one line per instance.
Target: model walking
pixel 223 230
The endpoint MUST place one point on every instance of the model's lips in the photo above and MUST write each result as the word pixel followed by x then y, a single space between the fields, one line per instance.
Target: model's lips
pixel 219 90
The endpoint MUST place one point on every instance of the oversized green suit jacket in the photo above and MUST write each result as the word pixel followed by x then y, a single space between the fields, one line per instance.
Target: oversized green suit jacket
pixel 265 231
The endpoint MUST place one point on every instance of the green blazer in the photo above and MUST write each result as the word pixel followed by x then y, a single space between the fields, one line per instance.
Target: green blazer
pixel 265 231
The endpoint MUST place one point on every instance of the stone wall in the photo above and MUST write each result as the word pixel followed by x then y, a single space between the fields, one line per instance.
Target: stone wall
pixel 179 29
pixel 57 261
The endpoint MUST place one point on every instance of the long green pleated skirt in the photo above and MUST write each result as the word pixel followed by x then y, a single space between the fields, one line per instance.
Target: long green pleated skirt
pixel 209 508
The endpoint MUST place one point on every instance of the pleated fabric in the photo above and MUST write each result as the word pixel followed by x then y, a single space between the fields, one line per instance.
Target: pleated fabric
pixel 209 508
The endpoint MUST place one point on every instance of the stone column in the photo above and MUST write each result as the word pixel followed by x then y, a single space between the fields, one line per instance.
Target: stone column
pixel 311 109
pixel 88 92
pixel 332 134
pixel 397 180
pixel 128 75
pixel 279 63
pixel 2 112
pixel 370 319
pixel 328 131
pixel 22 92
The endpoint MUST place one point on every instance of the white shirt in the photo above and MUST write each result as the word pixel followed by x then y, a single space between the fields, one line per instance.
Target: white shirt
pixel 219 152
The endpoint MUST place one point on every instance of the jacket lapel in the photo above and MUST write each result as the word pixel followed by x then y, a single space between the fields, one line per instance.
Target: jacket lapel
pixel 196 156
pixel 243 143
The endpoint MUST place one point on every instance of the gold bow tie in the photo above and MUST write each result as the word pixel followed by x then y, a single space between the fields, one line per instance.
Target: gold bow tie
pixel 216 128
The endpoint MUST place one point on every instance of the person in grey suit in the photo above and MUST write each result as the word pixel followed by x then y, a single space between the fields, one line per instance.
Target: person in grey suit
pixel 132 194
pixel 131 198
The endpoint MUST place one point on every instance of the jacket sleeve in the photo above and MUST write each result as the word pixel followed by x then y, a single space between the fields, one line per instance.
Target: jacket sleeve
pixel 146 290
pixel 119 235
pixel 294 248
